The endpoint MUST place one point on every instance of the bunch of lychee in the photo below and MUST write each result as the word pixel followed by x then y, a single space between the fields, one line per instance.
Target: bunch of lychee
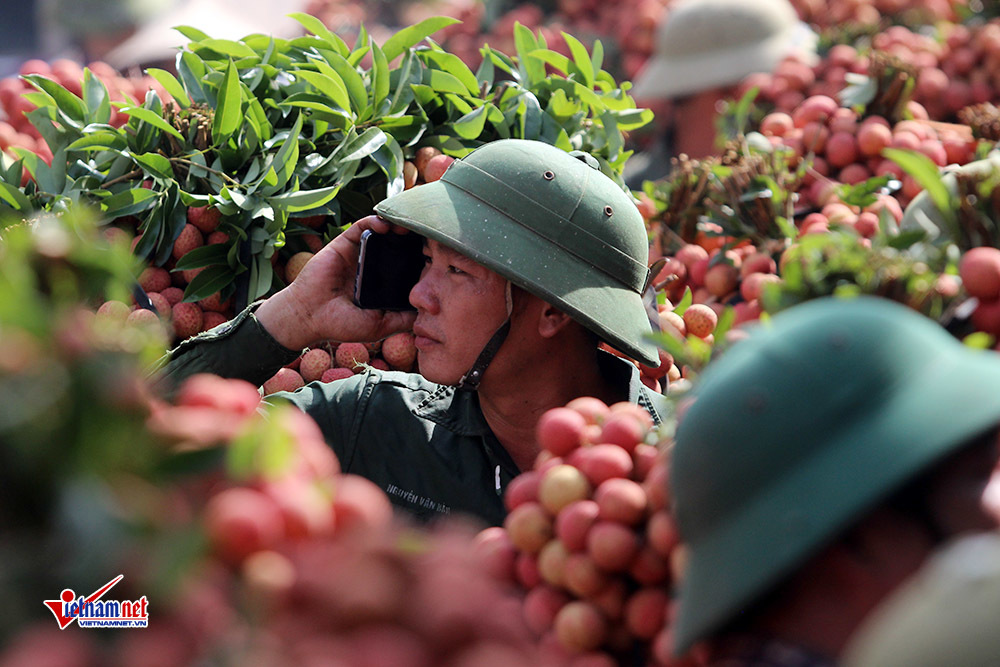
pixel 589 536
pixel 826 13
pixel 841 147
pixel 338 361
pixel 955 67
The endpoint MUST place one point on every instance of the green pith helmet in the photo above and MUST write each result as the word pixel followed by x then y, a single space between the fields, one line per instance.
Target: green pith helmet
pixel 798 430
pixel 550 223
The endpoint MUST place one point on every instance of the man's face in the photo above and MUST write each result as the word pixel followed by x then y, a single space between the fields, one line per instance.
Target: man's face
pixel 460 304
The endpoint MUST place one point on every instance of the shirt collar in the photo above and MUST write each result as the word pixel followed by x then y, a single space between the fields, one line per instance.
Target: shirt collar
pixel 459 412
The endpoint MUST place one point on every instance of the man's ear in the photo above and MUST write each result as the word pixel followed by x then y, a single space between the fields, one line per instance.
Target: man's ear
pixel 551 320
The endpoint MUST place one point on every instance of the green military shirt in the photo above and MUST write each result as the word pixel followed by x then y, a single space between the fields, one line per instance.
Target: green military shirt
pixel 426 445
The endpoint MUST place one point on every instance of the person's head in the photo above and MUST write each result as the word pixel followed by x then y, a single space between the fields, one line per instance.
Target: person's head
pixel 523 231
pixel 709 44
pixel 844 419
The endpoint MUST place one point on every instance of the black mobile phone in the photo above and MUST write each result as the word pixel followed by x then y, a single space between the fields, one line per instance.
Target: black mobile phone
pixel 389 265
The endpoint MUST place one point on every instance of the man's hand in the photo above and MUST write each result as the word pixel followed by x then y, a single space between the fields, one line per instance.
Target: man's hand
pixel 319 304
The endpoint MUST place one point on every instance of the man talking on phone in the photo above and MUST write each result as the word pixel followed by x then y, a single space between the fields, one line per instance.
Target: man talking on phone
pixel 532 257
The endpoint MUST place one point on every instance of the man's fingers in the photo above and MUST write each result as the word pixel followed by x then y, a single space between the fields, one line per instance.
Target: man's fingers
pixel 396 321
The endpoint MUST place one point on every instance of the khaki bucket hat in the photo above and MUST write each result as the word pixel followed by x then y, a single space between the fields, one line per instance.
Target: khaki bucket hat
pixel 704 44
pixel 550 222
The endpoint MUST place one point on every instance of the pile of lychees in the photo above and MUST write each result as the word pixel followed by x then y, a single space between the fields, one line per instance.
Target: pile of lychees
pixel 590 538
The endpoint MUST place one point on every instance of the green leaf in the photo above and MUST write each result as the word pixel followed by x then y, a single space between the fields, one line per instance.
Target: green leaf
pixel 230 107
pixel 614 136
pixel 364 144
pixel 98 141
pixel 207 255
pixel 486 72
pixel 589 97
pixel 226 47
pixel 287 157
pixel 352 81
pixel 303 200
pixel 154 119
pixel 470 126
pixel 453 65
pixel 209 281
pixel 261 277
pixel 597 57
pixel 532 69
pixel 633 118
pixel 171 85
pixel 389 158
pixel 581 58
pixel 14 198
pixel 264 128
pixel 413 35
pixel 191 33
pixel 443 82
pixel 926 173
pixel 66 101
pixel 380 78
pixel 557 60
pixel 409 72
pixel 320 103
pixel 501 60
pixel 333 87
pixel 560 107
pixel 95 97
pixel 685 301
pixel 316 27
pixel 129 202
pixel 192 70
pixel 154 165
pixel 530 113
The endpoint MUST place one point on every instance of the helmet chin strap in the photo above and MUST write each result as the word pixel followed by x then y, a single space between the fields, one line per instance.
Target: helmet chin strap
pixel 470 381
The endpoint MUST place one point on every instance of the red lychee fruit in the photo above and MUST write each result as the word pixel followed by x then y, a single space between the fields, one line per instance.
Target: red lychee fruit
pixel 205 218
pixel 979 269
pixel 211 319
pixel 314 363
pixel 154 279
pixel 399 351
pixel 352 356
pixel 295 264
pixel 214 302
pixel 187 318
pixel 436 167
pixel 700 320
pixel 113 310
pixel 189 239
pixel 331 374
pixel 173 295
pixel 284 380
